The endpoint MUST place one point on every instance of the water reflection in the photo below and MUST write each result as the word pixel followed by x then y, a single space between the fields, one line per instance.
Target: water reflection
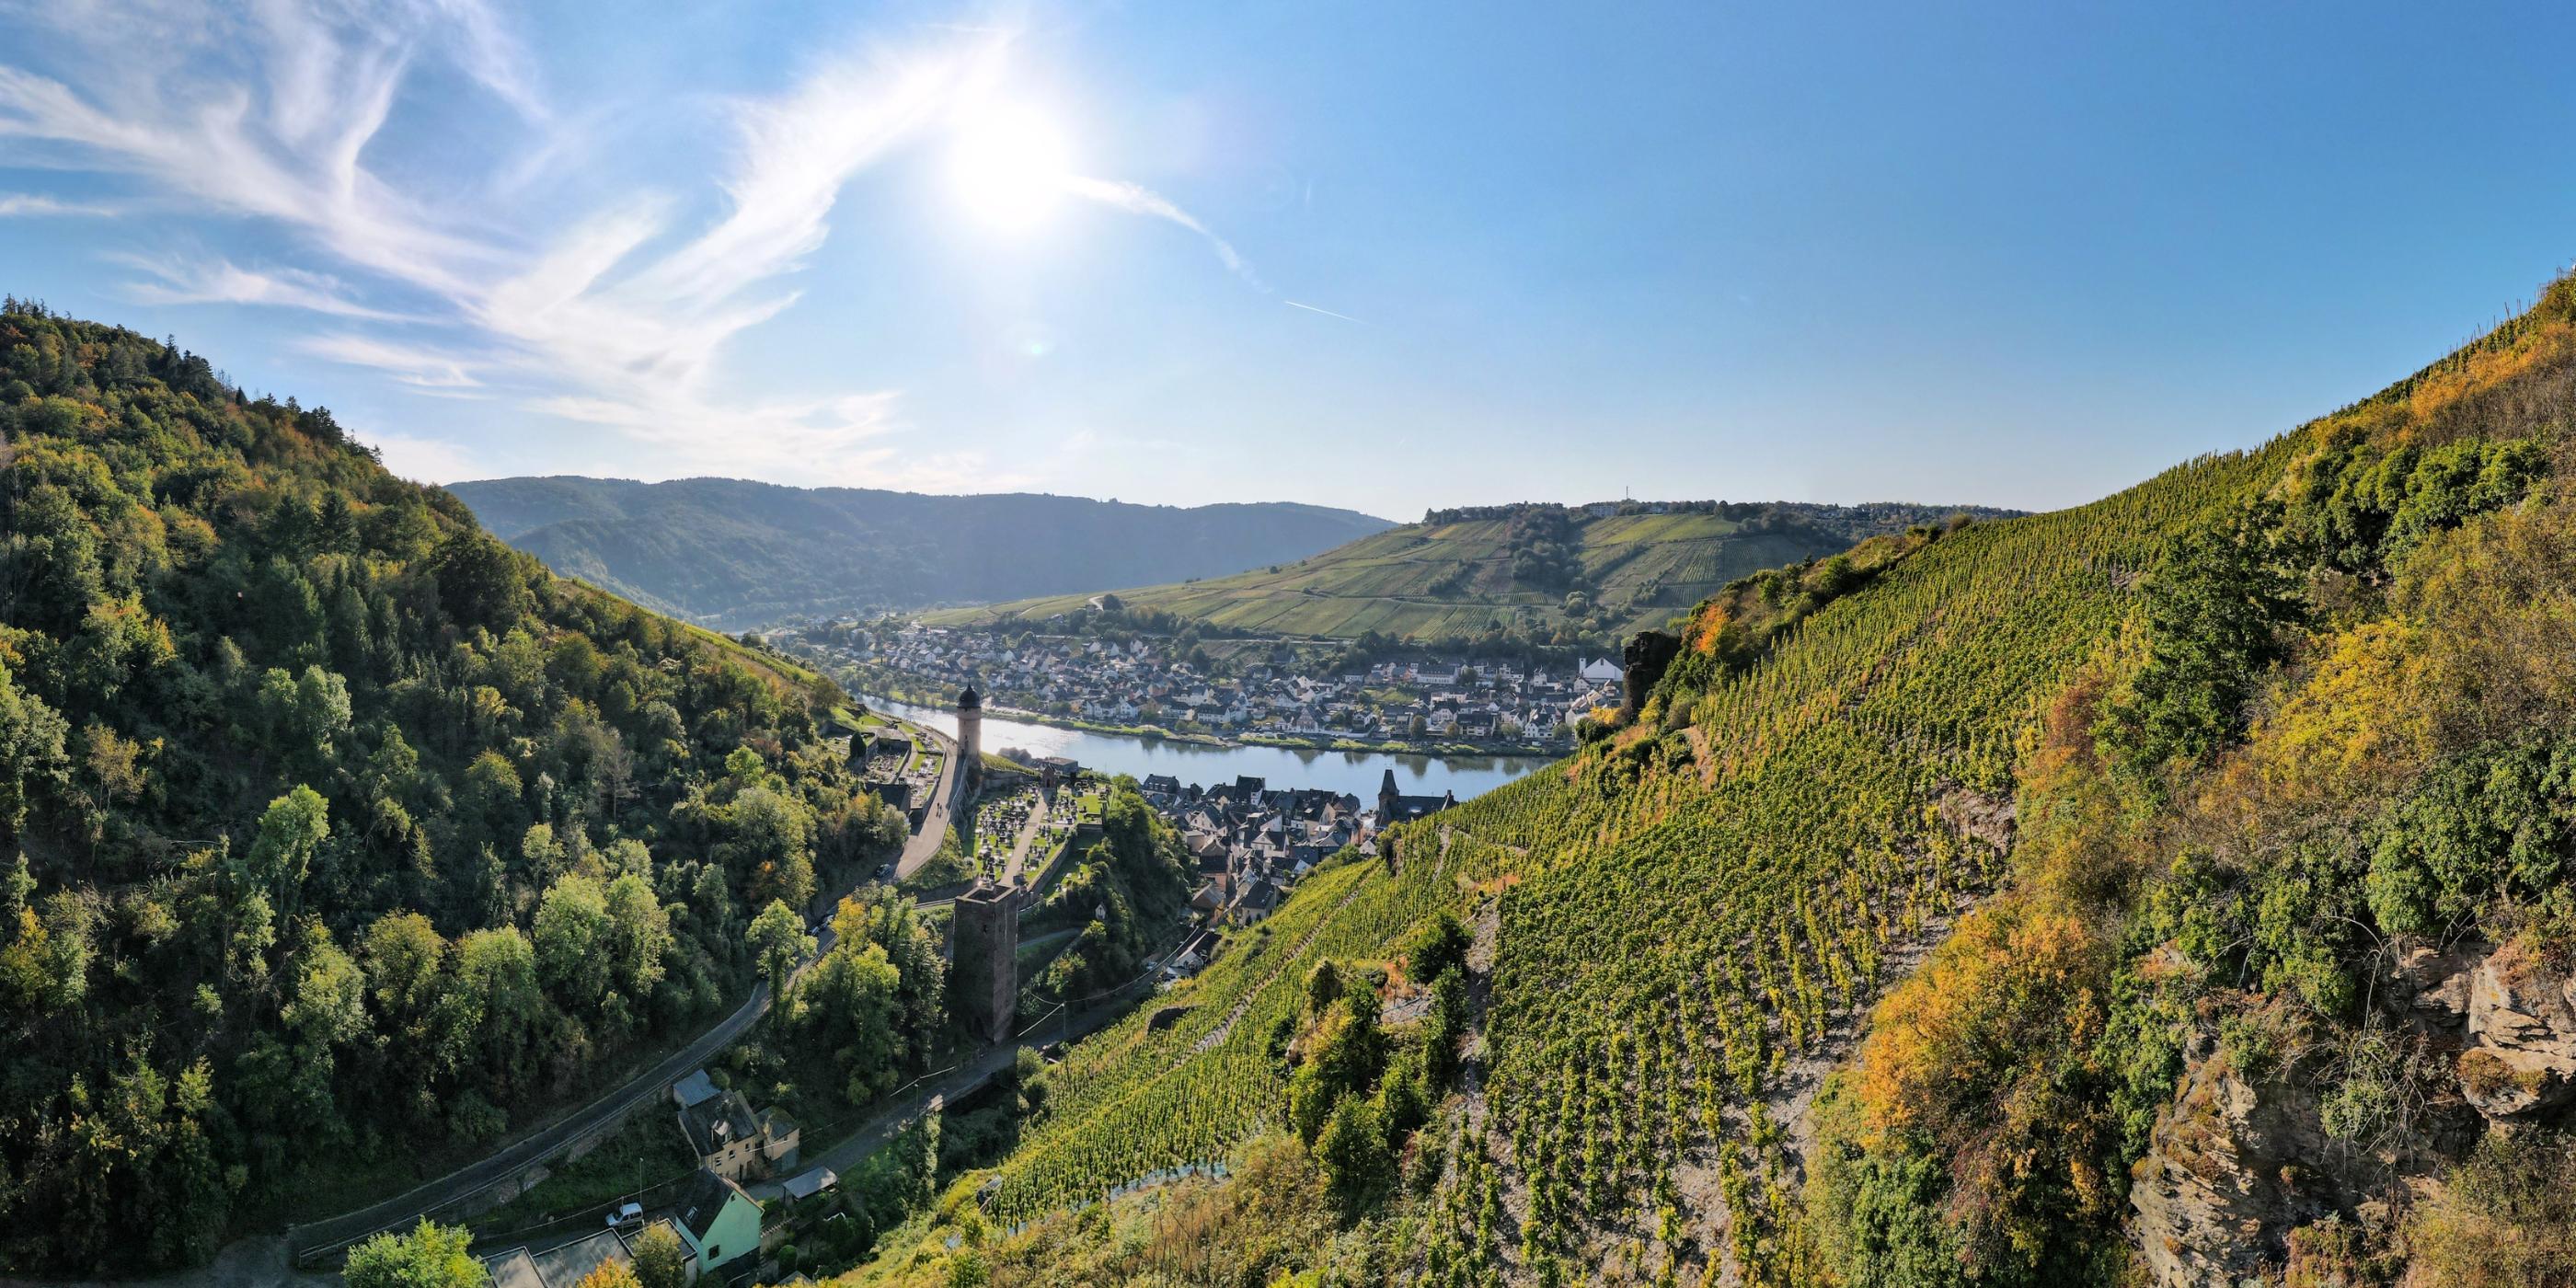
pixel 1356 772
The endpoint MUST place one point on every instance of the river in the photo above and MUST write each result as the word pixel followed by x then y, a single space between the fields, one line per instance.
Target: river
pixel 1355 772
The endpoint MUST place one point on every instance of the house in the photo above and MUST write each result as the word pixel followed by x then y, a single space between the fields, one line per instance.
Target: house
pixel 1260 896
pixel 733 1142
pixel 1597 671
pixel 564 1265
pixel 718 1223
pixel 1394 807
pixel 693 1090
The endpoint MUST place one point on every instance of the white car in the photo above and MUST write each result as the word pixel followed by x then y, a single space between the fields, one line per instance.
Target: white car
pixel 625 1216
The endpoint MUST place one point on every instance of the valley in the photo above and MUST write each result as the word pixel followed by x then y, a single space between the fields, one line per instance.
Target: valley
pixel 749 646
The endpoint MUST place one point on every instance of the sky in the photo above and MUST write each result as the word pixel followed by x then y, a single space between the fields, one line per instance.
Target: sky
pixel 1385 257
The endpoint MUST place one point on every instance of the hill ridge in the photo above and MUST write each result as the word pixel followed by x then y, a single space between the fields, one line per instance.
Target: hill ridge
pixel 737 553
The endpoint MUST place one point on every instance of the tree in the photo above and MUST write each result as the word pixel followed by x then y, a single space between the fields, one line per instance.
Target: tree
pixel 31 752
pixel 290 834
pixel 479 581
pixel 773 844
pixel 404 952
pixel 778 942
pixel 1437 947
pixel 329 1006
pixel 2214 613
pixel 496 1001
pixel 1352 1151
pixel 610 1274
pixel 660 1259
pixel 571 933
pixel 1323 985
pixel 431 1256
pixel 639 932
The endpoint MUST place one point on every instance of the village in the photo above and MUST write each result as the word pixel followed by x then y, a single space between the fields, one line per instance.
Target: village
pixel 1252 843
pixel 1264 694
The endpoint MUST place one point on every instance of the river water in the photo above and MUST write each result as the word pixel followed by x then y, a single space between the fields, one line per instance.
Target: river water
pixel 1355 772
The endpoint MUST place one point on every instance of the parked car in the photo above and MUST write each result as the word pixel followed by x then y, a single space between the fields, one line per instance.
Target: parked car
pixel 885 871
pixel 629 1214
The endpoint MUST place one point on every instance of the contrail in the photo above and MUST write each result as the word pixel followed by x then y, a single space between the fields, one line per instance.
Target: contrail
pixel 1136 199
pixel 1326 312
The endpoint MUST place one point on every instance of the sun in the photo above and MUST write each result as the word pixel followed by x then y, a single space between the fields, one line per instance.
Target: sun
pixel 1009 165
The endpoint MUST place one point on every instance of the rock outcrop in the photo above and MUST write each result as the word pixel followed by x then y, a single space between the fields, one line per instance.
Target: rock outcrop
pixel 2212 1199
pixel 1642 665
pixel 2237 1162
pixel 2520 1064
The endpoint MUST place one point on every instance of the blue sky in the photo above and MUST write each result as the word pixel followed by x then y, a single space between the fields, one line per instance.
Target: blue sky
pixel 1380 256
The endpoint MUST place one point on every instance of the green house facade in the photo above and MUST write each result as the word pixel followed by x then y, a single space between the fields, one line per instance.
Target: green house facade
pixel 718 1221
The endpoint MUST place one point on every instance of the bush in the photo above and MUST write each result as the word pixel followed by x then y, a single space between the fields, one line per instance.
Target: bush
pixel 2507 1217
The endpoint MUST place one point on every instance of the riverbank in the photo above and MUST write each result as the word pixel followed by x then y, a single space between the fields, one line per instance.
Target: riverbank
pixel 1200 738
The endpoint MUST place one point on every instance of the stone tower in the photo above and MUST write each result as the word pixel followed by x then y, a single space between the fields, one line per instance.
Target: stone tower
pixel 983 967
pixel 970 734
pixel 1387 797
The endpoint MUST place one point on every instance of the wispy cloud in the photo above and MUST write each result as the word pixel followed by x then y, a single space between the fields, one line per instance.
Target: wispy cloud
pixel 33 205
pixel 1139 200
pixel 220 281
pixel 422 368
pixel 617 320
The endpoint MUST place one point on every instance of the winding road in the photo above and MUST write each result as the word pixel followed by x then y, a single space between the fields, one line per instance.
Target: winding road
pixel 924 844
pixel 322 1239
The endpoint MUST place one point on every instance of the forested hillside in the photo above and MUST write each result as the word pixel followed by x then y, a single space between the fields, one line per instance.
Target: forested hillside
pixel 2170 890
pixel 1539 573
pixel 337 840
pixel 736 554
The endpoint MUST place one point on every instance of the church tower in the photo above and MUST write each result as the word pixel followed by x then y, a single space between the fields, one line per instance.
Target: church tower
pixel 1386 800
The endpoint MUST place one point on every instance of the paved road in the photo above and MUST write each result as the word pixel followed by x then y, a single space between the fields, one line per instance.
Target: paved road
pixel 324 1237
pixel 956 1084
pixel 321 1238
pixel 924 844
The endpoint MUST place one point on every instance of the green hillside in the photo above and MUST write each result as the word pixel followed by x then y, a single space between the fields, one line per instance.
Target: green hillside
pixel 737 554
pixel 1541 571
pixel 2134 838
pixel 339 842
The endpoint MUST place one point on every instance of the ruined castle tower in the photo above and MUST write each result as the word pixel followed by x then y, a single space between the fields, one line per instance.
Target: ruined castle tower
pixel 984 949
pixel 970 735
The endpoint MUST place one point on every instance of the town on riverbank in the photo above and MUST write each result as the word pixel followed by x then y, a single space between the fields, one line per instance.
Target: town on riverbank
pixel 1228 691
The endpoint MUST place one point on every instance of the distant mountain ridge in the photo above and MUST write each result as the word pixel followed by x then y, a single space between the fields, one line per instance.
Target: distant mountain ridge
pixel 737 554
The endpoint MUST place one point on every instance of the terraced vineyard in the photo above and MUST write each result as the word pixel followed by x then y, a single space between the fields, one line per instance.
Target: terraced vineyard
pixel 1676 924
pixel 1675 946
pixel 1456 580
pixel 1692 914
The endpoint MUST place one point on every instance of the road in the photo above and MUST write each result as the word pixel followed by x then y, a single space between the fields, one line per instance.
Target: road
pixel 955 1084
pixel 321 1238
pixel 924 844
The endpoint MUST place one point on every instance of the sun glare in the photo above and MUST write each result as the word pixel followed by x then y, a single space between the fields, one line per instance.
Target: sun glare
pixel 1009 166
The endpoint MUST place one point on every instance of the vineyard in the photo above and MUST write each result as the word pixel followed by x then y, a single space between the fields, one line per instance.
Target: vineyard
pixel 1455 579
pixel 1682 906
pixel 1706 892
pixel 1694 909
